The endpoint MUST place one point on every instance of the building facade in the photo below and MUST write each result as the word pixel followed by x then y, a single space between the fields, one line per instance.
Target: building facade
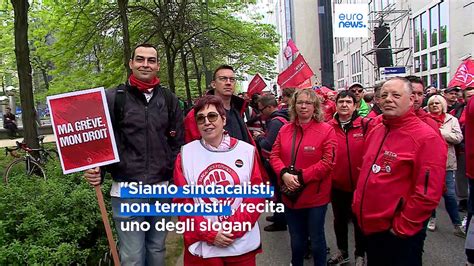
pixel 430 38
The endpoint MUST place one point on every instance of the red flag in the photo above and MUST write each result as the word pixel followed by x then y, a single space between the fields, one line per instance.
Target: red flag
pixel 306 84
pixel 290 49
pixel 464 76
pixel 256 85
pixel 296 74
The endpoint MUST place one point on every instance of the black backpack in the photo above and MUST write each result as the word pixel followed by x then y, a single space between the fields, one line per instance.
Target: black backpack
pixel 120 103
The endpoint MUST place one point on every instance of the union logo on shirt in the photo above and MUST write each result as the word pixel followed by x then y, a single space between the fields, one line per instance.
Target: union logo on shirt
pixel 218 174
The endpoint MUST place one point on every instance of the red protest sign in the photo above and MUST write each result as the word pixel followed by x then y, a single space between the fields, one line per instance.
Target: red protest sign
pixel 256 85
pixel 464 76
pixel 297 73
pixel 290 49
pixel 83 129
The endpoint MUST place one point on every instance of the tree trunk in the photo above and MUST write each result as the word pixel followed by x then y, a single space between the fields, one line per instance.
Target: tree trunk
pixel 44 73
pixel 123 4
pixel 196 69
pixel 186 76
pixel 22 52
pixel 170 61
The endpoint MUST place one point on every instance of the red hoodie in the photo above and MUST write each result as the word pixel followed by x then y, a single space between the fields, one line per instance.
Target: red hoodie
pixel 349 153
pixel 315 157
pixel 402 176
pixel 469 138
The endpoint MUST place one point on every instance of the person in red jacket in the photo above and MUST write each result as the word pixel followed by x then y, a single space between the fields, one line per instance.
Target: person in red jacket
pixel 303 156
pixel 223 86
pixel 418 94
pixel 401 180
pixel 469 150
pixel 218 159
pixel 350 130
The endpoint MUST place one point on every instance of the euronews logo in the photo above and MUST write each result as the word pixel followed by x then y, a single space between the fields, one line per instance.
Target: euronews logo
pixel 351 20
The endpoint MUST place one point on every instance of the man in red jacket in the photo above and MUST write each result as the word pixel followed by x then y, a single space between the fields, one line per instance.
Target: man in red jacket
pixel 418 93
pixel 223 86
pixel 401 180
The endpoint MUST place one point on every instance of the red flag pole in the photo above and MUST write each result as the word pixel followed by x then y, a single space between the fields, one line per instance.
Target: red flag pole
pixel 108 230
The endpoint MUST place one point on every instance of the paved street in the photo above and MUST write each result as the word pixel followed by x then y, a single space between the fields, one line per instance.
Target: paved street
pixel 442 247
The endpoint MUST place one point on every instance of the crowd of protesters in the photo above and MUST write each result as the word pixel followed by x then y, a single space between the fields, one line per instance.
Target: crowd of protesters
pixel 382 160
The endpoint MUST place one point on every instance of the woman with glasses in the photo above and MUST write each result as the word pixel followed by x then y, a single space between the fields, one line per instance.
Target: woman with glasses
pixel 218 159
pixel 303 156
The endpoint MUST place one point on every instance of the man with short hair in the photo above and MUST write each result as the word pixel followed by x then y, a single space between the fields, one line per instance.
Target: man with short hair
pixel 417 87
pixel 9 122
pixel 286 95
pixel 350 131
pixel 361 106
pixel 376 111
pixel 401 180
pixel 451 96
pixel 148 129
pixel 274 120
pixel 223 86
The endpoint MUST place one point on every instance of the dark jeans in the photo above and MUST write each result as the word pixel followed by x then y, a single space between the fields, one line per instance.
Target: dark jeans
pixel 304 223
pixel 12 129
pixel 470 212
pixel 384 248
pixel 278 216
pixel 342 210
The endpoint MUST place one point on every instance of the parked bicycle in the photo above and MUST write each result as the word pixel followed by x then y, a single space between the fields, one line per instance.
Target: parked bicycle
pixel 27 163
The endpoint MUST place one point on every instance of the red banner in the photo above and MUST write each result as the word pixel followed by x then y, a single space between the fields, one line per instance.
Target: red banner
pixel 305 85
pixel 464 76
pixel 83 130
pixel 290 49
pixel 296 74
pixel 256 85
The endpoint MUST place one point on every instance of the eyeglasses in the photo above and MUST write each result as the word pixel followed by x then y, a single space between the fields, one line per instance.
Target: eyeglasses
pixel 359 91
pixel 211 117
pixel 225 79
pixel 304 102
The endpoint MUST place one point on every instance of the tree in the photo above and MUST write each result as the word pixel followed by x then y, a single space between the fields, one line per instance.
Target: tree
pixel 22 52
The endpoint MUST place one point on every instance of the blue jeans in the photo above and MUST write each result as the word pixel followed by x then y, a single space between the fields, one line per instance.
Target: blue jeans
pixel 450 201
pixel 138 247
pixel 303 223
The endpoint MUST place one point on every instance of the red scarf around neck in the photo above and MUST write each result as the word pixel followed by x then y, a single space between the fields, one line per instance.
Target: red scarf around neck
pixel 142 85
pixel 439 118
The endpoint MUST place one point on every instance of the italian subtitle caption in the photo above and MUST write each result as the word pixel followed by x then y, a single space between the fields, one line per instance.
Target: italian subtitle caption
pixel 212 207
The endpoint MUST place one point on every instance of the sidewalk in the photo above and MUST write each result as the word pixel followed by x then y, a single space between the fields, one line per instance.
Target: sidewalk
pixel 12 142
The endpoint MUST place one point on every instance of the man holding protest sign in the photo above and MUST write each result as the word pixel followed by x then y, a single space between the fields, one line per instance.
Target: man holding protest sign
pixel 148 130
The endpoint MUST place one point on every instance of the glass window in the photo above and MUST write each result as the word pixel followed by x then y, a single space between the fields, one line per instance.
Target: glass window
pixel 434 21
pixel 434 80
pixel 425 80
pixel 443 80
pixel 434 59
pixel 424 62
pixel 416 26
pixel 443 22
pixel 424 30
pixel 417 64
pixel 443 58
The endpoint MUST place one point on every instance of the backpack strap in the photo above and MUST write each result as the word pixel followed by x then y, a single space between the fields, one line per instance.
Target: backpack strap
pixel 281 119
pixel 119 104
pixel 168 95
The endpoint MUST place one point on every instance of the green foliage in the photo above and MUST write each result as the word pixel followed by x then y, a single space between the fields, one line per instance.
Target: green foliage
pixel 78 45
pixel 52 222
